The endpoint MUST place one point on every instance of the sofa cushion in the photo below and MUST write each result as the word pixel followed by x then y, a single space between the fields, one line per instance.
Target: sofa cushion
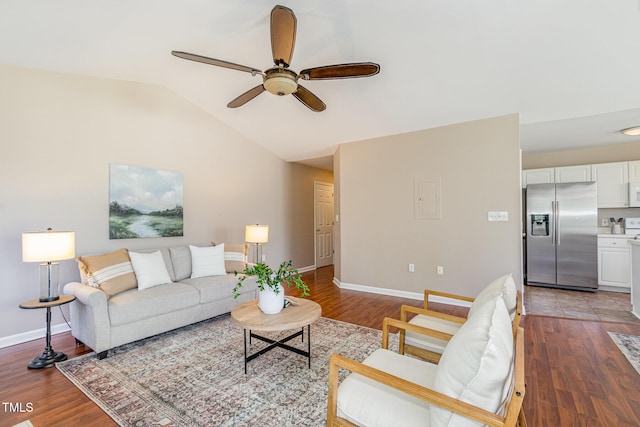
pixel 503 286
pixel 136 305
pixel 215 288
pixel 112 272
pixel 366 402
pixel 476 365
pixel 150 269
pixel 181 262
pixel 207 261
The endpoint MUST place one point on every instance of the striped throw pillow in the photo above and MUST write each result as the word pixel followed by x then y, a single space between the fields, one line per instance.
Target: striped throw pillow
pixel 112 273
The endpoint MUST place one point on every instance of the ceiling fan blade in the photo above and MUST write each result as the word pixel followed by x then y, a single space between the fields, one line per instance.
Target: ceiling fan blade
pixel 246 97
pixel 217 62
pixel 309 99
pixel 341 71
pixel 283 35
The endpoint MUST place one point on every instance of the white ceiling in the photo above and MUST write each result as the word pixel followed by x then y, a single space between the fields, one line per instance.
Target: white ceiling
pixel 570 68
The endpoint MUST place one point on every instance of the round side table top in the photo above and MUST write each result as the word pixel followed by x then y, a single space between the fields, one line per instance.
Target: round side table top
pixel 35 303
pixel 249 316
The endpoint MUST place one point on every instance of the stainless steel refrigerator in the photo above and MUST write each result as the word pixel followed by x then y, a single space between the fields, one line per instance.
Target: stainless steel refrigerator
pixel 562 245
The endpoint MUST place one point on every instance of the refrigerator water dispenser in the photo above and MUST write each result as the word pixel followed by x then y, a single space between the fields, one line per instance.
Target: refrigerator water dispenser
pixel 539 225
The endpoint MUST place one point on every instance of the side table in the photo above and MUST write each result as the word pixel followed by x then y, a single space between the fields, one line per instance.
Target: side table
pixel 49 357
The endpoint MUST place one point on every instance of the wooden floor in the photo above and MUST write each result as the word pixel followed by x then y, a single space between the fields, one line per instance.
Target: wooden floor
pixel 575 374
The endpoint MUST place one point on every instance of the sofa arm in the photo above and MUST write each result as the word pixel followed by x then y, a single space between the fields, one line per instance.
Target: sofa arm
pixel 90 322
pixel 87 295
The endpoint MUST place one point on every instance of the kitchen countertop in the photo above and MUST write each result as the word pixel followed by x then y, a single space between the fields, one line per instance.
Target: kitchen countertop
pixel 617 236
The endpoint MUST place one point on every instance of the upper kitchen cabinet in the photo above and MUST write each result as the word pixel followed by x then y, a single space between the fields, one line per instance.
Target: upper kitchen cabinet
pixel 538 176
pixel 580 173
pixel 613 180
pixel 634 171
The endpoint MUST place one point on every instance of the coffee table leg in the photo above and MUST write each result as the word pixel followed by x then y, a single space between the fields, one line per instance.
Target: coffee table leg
pixel 245 350
pixel 308 342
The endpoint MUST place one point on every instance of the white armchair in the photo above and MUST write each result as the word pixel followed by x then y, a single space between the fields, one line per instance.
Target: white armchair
pixel 479 380
pixel 430 347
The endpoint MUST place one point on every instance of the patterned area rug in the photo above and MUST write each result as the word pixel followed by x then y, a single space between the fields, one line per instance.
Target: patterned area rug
pixel 194 376
pixel 629 345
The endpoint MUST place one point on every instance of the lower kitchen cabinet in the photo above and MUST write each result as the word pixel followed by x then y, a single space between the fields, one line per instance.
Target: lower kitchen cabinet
pixel 613 264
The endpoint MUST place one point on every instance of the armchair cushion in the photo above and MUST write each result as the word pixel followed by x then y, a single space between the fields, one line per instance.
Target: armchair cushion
pixel 477 364
pixel 366 402
pixel 431 343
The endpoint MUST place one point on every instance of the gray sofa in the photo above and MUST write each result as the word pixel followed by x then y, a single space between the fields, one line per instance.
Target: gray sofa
pixel 103 321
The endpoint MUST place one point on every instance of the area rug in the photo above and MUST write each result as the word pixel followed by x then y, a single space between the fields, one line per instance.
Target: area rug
pixel 194 376
pixel 629 345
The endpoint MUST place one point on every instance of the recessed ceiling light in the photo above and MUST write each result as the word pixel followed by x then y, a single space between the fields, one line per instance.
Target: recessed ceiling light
pixel 634 131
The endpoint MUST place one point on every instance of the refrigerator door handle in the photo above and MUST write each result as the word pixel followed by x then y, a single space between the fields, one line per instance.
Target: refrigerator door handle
pixel 553 224
pixel 556 217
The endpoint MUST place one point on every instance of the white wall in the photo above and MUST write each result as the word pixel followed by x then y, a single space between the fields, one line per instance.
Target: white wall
pixel 58 135
pixel 478 165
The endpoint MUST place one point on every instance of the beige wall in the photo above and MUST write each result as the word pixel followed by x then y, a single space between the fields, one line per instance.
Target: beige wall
pixel 59 133
pixel 478 165
pixel 583 156
pixel 303 232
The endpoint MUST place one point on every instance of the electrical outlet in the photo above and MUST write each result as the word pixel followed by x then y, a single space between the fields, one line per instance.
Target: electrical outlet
pixel 264 257
pixel 412 268
pixel 440 270
pixel 605 222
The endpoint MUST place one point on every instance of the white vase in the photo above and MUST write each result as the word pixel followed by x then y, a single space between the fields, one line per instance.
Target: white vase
pixel 270 302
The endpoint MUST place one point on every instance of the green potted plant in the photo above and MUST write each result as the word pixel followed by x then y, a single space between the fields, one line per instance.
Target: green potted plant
pixel 270 284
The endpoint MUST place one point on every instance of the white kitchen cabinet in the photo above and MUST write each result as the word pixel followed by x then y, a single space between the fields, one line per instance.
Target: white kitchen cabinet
pixel 613 184
pixel 634 171
pixel 538 176
pixel 580 173
pixel 613 264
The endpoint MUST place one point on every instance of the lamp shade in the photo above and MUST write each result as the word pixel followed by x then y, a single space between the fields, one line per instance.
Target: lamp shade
pixel 45 246
pixel 256 233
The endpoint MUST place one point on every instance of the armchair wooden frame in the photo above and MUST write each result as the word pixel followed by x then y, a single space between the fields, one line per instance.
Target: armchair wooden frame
pixel 514 416
pixel 431 356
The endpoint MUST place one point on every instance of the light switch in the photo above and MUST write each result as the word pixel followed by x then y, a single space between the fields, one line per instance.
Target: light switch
pixel 498 216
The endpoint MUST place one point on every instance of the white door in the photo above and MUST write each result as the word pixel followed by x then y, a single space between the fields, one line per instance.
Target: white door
pixel 323 213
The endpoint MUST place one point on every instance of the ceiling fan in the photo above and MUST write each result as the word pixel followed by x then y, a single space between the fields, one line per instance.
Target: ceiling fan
pixel 280 80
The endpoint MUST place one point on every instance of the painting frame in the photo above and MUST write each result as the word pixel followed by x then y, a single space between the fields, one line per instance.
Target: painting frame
pixel 145 202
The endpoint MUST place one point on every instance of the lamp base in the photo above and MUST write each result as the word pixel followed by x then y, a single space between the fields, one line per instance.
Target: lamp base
pixel 47 359
pixel 49 299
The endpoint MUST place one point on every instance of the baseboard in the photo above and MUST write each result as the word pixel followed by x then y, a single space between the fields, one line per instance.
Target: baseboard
pixel 305 269
pixel 396 293
pixel 32 335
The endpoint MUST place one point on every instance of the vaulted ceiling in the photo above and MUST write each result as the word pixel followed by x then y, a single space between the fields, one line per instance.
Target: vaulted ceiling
pixel 570 68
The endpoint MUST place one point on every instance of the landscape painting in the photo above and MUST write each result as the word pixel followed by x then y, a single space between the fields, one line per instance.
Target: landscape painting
pixel 144 202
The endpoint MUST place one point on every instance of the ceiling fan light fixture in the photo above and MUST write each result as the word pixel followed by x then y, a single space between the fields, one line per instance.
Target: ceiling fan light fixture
pixel 281 82
pixel 634 131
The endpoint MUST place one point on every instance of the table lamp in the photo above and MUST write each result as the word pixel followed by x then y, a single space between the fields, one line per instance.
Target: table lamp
pixel 257 234
pixel 46 247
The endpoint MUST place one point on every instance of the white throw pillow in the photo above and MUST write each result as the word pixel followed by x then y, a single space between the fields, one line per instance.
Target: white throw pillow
pixel 207 261
pixel 503 286
pixel 476 366
pixel 150 269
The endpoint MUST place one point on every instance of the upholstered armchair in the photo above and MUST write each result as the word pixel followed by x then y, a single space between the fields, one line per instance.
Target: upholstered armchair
pixel 479 380
pixel 430 347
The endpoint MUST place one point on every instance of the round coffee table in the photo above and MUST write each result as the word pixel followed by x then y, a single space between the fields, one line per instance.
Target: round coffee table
pixel 299 314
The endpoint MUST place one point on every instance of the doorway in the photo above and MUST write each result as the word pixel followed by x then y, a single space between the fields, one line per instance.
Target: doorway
pixel 323 222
